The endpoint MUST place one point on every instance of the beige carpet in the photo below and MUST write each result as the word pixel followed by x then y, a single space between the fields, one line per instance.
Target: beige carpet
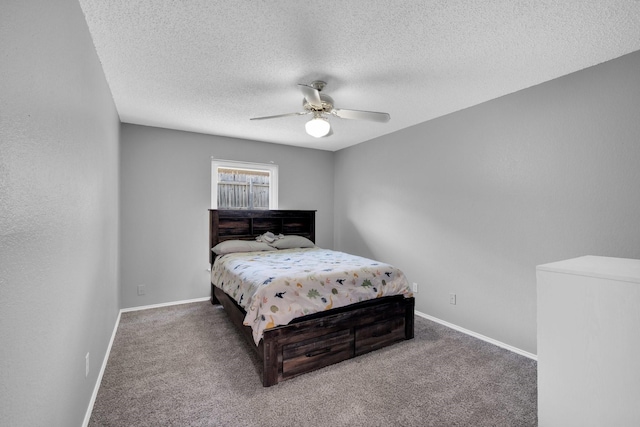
pixel 186 365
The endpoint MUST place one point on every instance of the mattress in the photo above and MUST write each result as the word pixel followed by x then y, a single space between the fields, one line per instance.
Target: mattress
pixel 275 287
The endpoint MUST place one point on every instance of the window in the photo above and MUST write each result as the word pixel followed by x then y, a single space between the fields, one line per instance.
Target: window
pixel 243 185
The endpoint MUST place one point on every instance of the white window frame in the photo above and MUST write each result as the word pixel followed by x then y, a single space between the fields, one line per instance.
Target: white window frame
pixel 271 168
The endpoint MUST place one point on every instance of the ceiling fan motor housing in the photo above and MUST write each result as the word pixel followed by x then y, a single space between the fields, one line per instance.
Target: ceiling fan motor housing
pixel 327 104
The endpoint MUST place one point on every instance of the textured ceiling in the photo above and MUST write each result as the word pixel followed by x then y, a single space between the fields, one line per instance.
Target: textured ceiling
pixel 208 66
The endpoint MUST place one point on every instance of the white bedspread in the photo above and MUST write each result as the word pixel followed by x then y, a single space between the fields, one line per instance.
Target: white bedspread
pixel 274 287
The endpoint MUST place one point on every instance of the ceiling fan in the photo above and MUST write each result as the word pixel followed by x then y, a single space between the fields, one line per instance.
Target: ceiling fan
pixel 321 105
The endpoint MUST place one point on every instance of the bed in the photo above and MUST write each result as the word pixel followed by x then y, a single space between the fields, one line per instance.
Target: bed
pixel 310 341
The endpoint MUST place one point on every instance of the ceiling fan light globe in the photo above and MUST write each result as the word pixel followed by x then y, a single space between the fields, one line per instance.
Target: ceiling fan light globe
pixel 317 127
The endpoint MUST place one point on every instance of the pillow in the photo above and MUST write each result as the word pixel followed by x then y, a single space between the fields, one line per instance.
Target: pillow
pixel 231 246
pixel 268 237
pixel 290 242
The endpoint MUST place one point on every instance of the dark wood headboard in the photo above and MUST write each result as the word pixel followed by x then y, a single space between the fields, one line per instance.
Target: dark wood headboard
pixel 247 224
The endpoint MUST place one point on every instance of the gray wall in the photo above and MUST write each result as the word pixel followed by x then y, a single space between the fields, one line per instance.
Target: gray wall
pixel 166 194
pixel 471 202
pixel 59 200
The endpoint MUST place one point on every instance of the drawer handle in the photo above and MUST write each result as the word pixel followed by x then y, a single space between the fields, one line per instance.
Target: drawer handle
pixel 317 352
pixel 381 334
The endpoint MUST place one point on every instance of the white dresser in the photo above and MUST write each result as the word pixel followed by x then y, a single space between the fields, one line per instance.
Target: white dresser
pixel 589 342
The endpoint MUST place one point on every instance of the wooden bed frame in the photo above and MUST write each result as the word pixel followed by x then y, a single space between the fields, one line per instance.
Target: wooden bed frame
pixel 317 340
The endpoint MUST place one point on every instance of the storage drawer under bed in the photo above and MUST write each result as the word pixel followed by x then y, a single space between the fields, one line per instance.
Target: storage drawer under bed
pixel 377 335
pixel 317 352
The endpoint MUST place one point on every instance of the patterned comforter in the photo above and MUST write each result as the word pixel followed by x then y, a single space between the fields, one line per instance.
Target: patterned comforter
pixel 274 287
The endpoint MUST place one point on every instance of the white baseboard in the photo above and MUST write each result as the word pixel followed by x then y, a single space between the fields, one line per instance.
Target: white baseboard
pixel 87 416
pixel 479 336
pixel 164 304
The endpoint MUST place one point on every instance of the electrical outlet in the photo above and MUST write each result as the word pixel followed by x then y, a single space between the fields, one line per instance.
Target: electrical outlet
pixel 452 299
pixel 415 288
pixel 140 289
pixel 86 365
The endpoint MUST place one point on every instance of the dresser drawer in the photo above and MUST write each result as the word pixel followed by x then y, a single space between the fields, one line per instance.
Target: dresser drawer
pixel 380 334
pixel 317 352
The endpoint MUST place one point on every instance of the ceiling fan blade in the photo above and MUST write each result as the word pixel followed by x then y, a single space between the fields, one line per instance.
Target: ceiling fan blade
pixel 302 113
pixel 312 95
pixel 362 115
